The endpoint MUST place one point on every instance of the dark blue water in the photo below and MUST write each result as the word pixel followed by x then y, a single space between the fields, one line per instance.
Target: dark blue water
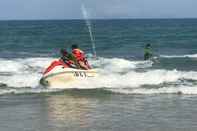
pixel 129 94
pixel 113 37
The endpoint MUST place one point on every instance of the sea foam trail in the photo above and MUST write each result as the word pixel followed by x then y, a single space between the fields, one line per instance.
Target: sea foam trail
pixel 180 56
pixel 188 90
pixel 27 90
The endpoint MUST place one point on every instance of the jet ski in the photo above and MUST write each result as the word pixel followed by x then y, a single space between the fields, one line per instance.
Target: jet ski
pixel 61 75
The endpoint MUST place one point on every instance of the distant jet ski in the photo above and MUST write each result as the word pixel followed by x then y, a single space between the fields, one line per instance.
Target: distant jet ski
pixel 61 75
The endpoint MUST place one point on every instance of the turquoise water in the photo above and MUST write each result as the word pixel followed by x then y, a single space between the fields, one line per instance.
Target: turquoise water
pixel 130 94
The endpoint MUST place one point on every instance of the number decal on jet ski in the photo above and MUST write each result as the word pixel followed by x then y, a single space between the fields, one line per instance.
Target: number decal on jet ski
pixel 80 74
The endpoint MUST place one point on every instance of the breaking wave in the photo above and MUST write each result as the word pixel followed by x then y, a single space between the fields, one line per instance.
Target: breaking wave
pixel 115 74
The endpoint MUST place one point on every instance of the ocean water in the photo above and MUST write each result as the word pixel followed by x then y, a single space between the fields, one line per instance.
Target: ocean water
pixel 129 94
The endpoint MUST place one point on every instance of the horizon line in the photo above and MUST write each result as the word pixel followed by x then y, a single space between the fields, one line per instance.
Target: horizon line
pixel 97 19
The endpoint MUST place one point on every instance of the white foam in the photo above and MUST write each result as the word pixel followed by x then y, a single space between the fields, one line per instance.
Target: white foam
pixel 115 73
pixel 188 90
pixel 24 72
pixel 180 56
pixel 134 79
pixel 119 65
pixel 9 65
pixel 27 72
pixel 27 90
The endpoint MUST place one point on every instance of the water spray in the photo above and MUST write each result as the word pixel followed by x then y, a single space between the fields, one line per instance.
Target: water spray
pixel 88 23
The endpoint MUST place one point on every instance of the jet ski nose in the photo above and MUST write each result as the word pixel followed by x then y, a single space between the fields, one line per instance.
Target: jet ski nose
pixel 44 82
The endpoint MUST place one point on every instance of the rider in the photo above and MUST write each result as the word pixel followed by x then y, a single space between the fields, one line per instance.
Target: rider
pixel 80 56
pixel 69 59
pixel 66 59
pixel 148 52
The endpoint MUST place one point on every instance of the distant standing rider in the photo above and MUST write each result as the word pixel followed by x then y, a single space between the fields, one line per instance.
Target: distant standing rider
pixel 148 52
pixel 80 56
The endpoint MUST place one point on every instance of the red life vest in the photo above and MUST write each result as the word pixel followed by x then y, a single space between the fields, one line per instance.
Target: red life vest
pixel 79 54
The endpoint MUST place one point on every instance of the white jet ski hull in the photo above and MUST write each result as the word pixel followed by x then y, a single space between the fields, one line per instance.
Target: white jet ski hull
pixel 61 77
